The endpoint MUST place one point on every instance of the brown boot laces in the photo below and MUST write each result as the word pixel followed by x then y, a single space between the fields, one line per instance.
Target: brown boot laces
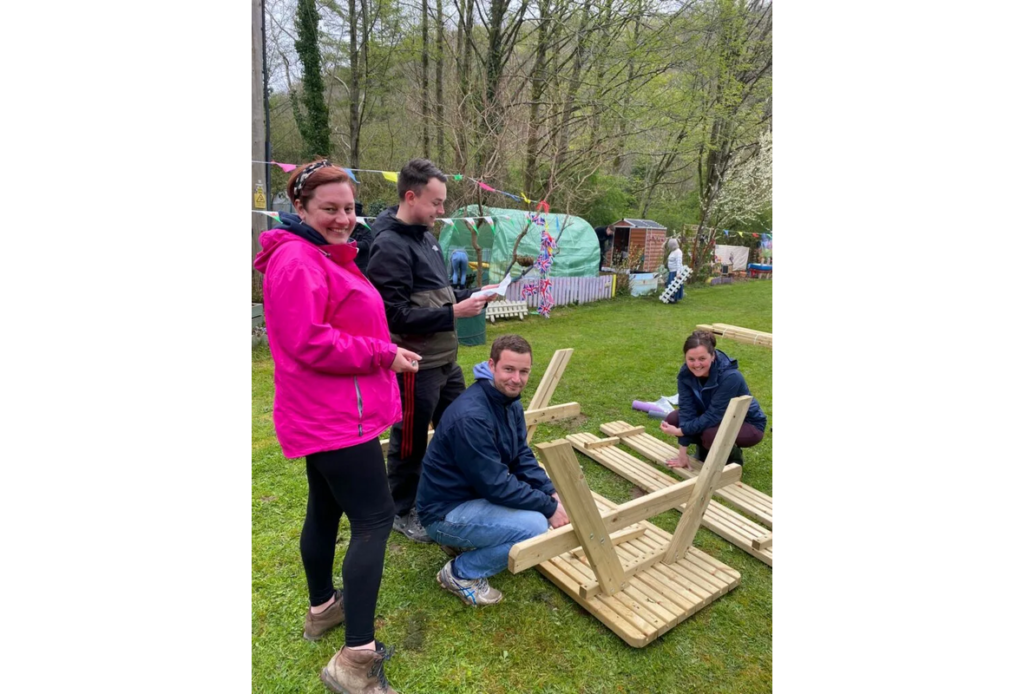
pixel 384 654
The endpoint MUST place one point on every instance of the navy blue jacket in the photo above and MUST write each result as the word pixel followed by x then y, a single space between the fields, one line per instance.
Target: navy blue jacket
pixel 479 451
pixel 703 407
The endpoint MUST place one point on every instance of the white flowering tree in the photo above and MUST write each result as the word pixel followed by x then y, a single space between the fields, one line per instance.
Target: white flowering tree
pixel 747 191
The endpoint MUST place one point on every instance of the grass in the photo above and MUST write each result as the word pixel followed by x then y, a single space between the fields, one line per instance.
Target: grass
pixel 537 639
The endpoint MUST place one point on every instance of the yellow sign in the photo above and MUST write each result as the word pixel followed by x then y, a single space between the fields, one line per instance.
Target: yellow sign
pixel 259 200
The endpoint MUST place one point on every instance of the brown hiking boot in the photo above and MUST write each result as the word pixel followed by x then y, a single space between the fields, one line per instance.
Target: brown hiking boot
pixel 358 672
pixel 319 624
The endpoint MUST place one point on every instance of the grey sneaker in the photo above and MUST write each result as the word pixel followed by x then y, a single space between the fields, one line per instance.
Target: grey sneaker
pixel 475 592
pixel 409 525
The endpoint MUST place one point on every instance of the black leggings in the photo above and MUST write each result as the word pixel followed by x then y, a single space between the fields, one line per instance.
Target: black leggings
pixel 352 481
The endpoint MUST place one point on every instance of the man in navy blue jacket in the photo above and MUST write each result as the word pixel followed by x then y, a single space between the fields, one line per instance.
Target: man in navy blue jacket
pixel 481 486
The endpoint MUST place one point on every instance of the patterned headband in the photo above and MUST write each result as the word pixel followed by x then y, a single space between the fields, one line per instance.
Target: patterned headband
pixel 306 173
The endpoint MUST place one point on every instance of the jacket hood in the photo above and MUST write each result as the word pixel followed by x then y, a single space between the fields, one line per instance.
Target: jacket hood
pixel 482 372
pixel 387 221
pixel 274 239
pixel 292 222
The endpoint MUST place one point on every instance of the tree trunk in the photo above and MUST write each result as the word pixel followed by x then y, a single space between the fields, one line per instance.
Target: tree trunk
pixel 438 81
pixel 425 83
pixel 353 93
pixel 538 79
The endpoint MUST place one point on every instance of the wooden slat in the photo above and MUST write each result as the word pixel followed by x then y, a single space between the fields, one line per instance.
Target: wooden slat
pixel 567 476
pixel 627 630
pixel 746 498
pixel 619 538
pixel 601 443
pixel 658 598
pixel 529 553
pixel 677 597
pixel 641 563
pixel 720 520
pixel 739 334
pixel 763 542
pixel 548 383
pixel 724 440
pixel 552 413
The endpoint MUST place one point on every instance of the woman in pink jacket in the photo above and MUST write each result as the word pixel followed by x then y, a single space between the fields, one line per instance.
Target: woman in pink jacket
pixel 335 392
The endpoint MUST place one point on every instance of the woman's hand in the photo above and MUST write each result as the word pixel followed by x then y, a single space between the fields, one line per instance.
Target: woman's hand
pixel 405 361
pixel 682 462
pixel 671 430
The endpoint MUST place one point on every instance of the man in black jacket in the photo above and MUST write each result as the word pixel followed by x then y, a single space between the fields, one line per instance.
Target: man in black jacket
pixel 407 268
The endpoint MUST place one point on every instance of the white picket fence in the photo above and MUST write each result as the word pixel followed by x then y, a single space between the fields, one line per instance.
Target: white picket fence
pixel 564 290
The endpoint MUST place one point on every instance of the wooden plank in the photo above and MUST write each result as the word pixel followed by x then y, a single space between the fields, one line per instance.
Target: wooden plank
pixel 553 374
pixel 627 630
pixel 619 538
pixel 642 563
pixel 709 475
pixel 674 590
pixel 529 553
pixel 632 431
pixel 601 443
pixel 749 500
pixel 763 542
pixel 567 476
pixel 720 520
pixel 636 473
pixel 551 413
pixel 649 602
pixel 658 620
pixel 575 571
pixel 676 598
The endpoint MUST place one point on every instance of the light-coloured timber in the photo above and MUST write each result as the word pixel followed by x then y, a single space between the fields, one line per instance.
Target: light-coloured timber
pixel 601 443
pixel 551 414
pixel 763 542
pixel 548 383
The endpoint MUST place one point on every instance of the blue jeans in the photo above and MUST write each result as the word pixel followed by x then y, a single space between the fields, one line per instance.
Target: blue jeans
pixel 679 292
pixel 460 266
pixel 491 529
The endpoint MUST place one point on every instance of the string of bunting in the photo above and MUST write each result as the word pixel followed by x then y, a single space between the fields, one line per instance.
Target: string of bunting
pixel 393 177
pixel 274 214
pixel 725 232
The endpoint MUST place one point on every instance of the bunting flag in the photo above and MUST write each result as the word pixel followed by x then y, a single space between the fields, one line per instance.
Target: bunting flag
pixel 755 235
pixel 446 220
pixel 392 176
pixel 270 213
pixel 470 222
pixel 489 221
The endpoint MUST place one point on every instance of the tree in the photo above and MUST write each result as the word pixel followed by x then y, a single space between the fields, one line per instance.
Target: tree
pixel 313 124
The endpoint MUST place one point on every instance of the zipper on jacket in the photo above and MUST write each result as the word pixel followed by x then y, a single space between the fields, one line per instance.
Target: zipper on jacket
pixel 359 404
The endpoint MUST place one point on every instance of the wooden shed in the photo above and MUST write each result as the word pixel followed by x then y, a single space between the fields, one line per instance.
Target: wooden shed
pixel 641 238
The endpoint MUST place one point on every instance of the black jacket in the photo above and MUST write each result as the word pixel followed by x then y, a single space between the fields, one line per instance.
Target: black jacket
pixel 407 268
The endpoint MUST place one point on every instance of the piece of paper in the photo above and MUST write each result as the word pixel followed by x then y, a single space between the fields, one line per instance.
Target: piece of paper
pixel 499 290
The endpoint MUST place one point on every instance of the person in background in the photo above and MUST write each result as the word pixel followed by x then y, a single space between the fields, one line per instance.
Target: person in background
pixel 675 266
pixel 363 236
pixel 604 240
pixel 460 266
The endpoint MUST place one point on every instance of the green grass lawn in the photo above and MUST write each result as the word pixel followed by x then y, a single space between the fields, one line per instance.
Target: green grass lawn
pixel 537 639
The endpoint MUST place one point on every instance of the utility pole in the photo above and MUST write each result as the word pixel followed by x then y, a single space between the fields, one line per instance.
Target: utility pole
pixel 259 187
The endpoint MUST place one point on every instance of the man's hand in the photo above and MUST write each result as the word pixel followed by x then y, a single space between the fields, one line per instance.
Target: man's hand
pixel 560 518
pixel 470 307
